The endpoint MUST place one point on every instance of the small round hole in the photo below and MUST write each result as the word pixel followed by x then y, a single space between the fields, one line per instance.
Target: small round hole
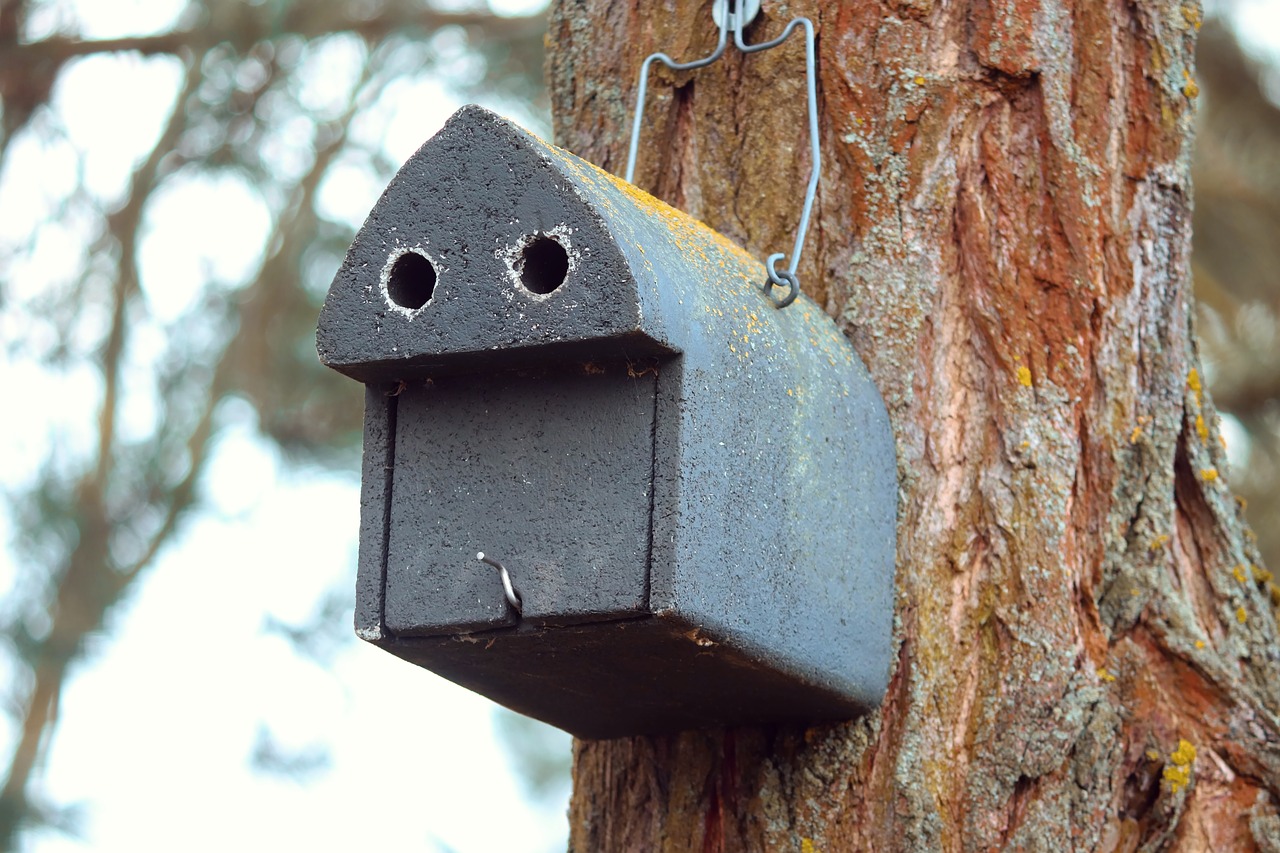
pixel 543 265
pixel 412 281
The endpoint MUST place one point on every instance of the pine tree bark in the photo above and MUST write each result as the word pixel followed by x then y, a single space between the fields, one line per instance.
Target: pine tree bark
pixel 1086 653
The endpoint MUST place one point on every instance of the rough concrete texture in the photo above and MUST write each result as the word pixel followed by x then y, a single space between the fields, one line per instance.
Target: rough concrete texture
pixel 694 491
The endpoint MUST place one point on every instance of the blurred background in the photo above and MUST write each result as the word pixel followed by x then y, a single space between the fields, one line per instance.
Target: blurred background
pixel 179 180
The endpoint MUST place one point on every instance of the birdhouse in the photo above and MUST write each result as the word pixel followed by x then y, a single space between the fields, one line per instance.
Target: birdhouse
pixel 684 495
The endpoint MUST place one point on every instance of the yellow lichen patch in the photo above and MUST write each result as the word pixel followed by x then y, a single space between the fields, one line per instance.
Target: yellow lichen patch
pixel 1152 755
pixel 1105 675
pixel 691 236
pixel 1190 88
pixel 1243 504
pixel 1159 542
pixel 1242 615
pixel 1178 771
pixel 1260 574
pixel 1193 382
pixel 1238 571
pixel 1199 644
pixel 807 846
pixel 1201 429
pixel 1185 754
pixel 1177 777
pixel 1192 16
pixel 1135 435
pixel 1024 375
pixel 919 80
pixel 683 226
pixel 1208 474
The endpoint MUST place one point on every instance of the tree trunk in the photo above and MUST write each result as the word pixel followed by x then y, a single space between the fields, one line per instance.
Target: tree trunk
pixel 1086 653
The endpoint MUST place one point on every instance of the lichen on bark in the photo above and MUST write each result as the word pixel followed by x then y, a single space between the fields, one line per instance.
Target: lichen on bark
pixel 1003 232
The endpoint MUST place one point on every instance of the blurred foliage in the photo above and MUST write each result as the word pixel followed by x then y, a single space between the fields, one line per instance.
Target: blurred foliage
pixel 323 634
pixel 297 765
pixel 540 754
pixel 268 96
pixel 1236 261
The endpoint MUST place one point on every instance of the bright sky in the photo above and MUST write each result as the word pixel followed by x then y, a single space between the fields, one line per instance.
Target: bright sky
pixel 157 730
pixel 1257 23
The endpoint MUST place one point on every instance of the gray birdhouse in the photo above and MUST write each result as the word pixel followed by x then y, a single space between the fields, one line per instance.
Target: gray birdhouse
pixel 685 495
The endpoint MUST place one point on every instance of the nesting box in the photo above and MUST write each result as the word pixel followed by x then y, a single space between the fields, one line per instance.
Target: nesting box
pixel 693 492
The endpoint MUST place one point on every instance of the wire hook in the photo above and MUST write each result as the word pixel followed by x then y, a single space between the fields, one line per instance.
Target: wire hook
pixel 513 597
pixel 735 16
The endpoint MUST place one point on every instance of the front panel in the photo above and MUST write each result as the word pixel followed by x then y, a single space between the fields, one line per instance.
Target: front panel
pixel 549 473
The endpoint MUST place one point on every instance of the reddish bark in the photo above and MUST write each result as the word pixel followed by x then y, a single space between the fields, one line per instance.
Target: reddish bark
pixel 1003 231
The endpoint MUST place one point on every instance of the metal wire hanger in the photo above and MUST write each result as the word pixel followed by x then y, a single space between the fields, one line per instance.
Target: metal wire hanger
pixel 735 15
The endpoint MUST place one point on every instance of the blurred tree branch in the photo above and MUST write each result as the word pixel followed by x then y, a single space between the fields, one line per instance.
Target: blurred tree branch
pixel 243 25
pixel 85 586
pixel 29 69
pixel 93 527
pixel 1236 259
